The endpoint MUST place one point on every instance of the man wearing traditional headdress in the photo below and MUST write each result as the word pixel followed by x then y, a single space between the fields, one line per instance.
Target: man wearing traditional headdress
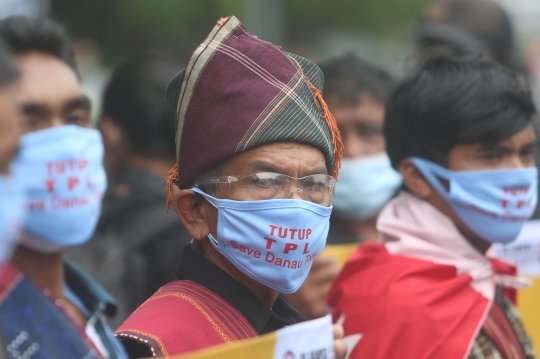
pixel 258 155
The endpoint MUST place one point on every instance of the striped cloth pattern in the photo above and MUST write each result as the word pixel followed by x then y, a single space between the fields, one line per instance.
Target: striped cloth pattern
pixel 485 348
pixel 239 92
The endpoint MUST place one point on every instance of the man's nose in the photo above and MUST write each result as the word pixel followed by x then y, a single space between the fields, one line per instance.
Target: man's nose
pixel 296 193
pixel 56 121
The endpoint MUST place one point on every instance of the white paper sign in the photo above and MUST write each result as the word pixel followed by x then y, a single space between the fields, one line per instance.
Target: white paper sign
pixel 313 339
pixel 524 251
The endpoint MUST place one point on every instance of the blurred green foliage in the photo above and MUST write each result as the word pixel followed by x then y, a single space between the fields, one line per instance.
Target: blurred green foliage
pixel 372 16
pixel 128 27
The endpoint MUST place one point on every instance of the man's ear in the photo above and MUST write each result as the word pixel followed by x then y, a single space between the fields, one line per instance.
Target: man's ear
pixel 189 207
pixel 414 180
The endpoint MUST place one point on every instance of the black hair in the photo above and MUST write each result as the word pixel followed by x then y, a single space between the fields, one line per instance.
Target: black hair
pixel 27 34
pixel 455 99
pixel 349 76
pixel 8 71
pixel 135 100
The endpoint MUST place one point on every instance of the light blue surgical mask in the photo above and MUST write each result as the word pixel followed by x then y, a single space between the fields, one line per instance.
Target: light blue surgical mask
pixel 61 171
pixel 494 204
pixel 365 185
pixel 273 241
pixel 12 213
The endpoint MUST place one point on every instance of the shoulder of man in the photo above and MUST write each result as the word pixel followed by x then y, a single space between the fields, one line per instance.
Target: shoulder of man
pixel 405 307
pixel 184 316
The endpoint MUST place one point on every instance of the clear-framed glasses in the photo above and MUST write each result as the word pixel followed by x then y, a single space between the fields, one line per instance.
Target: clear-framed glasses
pixel 317 188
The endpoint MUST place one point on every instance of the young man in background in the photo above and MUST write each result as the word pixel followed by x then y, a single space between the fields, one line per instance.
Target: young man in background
pixel 460 131
pixel 48 307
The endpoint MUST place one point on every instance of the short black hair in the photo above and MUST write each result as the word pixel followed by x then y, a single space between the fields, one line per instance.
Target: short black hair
pixel 453 99
pixel 8 71
pixel 349 76
pixel 135 100
pixel 28 34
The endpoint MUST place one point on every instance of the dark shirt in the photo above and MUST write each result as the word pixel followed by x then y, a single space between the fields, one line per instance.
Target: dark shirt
pixel 196 268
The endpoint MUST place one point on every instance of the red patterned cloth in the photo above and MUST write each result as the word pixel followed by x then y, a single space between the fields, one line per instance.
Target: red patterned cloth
pixel 498 329
pixel 184 316
pixel 425 292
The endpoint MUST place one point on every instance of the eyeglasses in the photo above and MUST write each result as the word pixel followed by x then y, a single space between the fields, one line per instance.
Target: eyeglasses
pixel 317 188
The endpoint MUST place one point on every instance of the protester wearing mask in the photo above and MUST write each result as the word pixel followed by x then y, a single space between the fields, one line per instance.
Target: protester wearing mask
pixel 460 131
pixel 355 92
pixel 48 307
pixel 258 154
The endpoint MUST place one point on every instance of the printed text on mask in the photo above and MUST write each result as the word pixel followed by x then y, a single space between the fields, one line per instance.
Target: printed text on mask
pixel 296 239
pixel 68 174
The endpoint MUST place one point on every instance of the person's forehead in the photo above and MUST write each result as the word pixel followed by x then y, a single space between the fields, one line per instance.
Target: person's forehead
pixel 45 80
pixel 280 155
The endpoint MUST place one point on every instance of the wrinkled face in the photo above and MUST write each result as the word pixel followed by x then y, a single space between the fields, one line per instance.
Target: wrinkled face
pixel 360 123
pixel 288 158
pixel 49 93
pixel 9 128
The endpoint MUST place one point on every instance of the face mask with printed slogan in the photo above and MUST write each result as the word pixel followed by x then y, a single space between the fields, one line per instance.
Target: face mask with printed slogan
pixel 272 241
pixel 61 171
pixel 494 204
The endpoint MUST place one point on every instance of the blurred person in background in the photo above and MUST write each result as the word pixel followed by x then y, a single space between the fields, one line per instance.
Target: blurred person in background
pixel 137 244
pixel 49 307
pixel 460 131
pixel 94 75
pixel 480 25
pixel 356 92
pixel 258 149
pixel 12 205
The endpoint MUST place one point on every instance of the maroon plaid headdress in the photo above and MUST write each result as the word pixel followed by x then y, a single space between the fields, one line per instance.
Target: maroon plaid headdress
pixel 238 92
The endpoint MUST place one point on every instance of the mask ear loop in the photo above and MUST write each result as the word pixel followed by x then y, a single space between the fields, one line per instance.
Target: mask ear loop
pixel 434 173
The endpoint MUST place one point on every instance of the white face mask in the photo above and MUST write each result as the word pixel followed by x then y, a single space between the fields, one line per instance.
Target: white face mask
pixel 272 241
pixel 364 186
pixel 494 204
pixel 61 171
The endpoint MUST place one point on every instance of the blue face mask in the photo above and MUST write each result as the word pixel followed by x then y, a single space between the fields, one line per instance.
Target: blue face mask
pixel 273 241
pixel 494 204
pixel 12 212
pixel 62 174
pixel 365 185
